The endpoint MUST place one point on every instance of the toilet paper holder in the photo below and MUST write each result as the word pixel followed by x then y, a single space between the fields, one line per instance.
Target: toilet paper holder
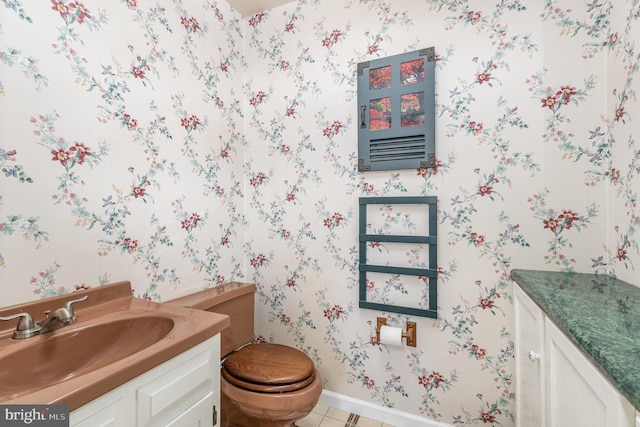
pixel 409 335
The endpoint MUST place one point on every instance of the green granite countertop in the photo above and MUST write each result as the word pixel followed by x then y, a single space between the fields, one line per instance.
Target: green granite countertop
pixel 601 316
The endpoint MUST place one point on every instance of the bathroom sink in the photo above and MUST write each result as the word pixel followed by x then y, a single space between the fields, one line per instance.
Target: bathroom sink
pixel 116 338
pixel 56 357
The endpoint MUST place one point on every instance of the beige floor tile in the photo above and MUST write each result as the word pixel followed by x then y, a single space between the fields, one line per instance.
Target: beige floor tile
pixel 326 416
pixel 320 409
pixel 368 422
pixel 338 414
pixel 311 420
pixel 332 422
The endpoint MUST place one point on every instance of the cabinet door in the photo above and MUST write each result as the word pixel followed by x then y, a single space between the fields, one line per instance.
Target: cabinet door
pixel 396 99
pixel 200 414
pixel 578 393
pixel 182 392
pixel 530 362
pixel 114 409
pixel 185 392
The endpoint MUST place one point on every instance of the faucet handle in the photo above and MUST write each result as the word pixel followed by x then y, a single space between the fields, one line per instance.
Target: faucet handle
pixel 25 322
pixel 67 305
pixel 26 328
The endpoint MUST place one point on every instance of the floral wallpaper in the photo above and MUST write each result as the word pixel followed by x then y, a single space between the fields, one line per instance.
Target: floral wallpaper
pixel 179 146
pixel 121 146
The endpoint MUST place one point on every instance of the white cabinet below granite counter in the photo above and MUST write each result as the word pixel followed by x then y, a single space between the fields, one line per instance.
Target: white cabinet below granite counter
pixel 556 385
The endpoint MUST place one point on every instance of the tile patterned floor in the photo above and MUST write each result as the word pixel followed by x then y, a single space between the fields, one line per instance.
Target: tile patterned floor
pixel 325 416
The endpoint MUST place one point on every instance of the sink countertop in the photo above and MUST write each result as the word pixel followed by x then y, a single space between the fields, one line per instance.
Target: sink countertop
pixel 599 314
pixel 107 303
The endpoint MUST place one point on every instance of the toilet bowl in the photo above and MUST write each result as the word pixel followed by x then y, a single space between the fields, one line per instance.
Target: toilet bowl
pixel 261 384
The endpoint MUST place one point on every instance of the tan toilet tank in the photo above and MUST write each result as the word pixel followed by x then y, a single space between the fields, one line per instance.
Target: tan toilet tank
pixel 236 300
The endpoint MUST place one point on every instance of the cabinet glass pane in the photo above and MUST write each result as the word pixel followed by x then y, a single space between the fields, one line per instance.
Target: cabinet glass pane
pixel 412 109
pixel 380 78
pixel 412 72
pixel 380 114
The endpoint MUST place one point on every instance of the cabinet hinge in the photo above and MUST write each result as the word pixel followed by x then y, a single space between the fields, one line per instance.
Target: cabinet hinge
pixel 214 416
pixel 429 53
pixel 362 66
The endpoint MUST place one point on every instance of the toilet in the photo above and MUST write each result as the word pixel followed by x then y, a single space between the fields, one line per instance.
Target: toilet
pixel 261 384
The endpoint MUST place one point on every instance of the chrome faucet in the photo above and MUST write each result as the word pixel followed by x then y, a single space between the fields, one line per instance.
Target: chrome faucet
pixel 63 316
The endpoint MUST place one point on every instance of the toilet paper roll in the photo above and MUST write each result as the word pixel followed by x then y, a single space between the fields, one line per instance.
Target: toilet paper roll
pixel 390 335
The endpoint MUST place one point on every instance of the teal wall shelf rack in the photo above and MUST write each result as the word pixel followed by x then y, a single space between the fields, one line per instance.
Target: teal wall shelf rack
pixel 429 273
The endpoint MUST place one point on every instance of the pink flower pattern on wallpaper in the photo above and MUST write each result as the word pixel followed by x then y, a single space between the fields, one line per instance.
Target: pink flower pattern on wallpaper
pixel 71 11
pixel 194 148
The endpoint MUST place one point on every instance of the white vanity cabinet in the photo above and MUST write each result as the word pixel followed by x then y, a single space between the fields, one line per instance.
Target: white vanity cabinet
pixel 183 391
pixel 556 385
pixel 530 362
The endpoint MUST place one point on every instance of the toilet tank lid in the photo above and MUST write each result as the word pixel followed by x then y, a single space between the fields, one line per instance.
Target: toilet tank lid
pixel 201 300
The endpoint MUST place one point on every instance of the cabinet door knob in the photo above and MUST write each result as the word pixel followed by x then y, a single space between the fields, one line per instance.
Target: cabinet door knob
pixel 533 356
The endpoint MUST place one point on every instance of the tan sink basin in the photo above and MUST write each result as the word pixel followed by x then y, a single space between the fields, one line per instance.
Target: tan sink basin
pixel 58 356
pixel 116 338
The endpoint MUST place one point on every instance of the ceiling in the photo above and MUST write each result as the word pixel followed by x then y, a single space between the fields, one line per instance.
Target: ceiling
pixel 251 7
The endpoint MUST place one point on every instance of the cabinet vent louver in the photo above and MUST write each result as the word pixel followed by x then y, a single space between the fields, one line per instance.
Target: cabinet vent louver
pixel 407 148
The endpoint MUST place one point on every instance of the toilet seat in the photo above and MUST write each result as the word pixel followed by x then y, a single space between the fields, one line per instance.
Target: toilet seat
pixel 268 368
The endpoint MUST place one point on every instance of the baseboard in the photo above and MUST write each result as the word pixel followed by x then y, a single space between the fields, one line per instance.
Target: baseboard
pixel 376 412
